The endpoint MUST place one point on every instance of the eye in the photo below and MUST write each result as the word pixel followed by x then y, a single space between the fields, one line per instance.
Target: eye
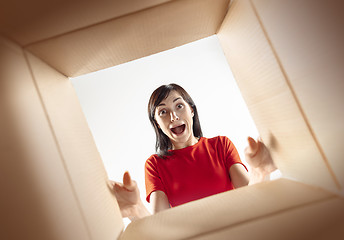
pixel 162 112
pixel 180 105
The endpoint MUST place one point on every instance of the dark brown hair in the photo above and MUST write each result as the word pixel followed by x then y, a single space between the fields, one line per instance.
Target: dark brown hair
pixel 163 143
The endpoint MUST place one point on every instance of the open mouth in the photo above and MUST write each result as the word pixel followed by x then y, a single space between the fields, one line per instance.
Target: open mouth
pixel 178 130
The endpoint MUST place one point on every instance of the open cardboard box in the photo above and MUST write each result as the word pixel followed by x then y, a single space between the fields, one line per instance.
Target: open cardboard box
pixel 287 58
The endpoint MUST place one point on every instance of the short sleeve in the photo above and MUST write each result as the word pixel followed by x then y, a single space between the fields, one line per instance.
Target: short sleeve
pixel 231 154
pixel 152 179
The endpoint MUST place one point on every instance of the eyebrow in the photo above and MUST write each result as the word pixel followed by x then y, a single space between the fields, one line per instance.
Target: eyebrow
pixel 163 104
pixel 177 99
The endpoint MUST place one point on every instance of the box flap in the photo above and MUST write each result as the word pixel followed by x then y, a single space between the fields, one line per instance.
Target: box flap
pixel 231 208
pixel 132 36
pixel 78 151
pixel 280 113
pixel 37 199
pixel 320 220
pixel 31 21
pixel 310 48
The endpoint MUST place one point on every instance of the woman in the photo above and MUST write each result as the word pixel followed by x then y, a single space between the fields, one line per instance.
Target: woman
pixel 187 166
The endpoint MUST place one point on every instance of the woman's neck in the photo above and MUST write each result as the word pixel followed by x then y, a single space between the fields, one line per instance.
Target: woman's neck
pixel 192 141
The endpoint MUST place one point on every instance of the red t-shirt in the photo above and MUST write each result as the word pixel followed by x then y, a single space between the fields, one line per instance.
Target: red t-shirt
pixel 193 172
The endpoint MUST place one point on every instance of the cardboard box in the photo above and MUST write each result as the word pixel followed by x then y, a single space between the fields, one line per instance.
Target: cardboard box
pixel 287 58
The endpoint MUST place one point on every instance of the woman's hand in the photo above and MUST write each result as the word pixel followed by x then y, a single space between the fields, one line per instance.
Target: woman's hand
pixel 128 198
pixel 258 157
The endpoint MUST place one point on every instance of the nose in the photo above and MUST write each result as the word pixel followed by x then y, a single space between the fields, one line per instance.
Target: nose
pixel 174 117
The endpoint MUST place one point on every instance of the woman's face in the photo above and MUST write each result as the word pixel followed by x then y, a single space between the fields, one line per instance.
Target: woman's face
pixel 174 118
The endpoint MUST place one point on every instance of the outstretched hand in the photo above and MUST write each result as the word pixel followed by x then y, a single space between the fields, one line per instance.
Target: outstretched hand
pixel 127 194
pixel 258 157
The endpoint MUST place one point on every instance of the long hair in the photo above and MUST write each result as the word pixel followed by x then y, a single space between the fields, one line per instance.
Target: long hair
pixel 163 143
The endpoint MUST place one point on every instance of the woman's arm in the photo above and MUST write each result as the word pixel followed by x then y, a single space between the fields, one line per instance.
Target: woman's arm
pixel 260 161
pixel 159 201
pixel 239 176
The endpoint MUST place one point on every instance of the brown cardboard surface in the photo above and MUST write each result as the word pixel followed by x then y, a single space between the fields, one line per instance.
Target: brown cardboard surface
pixel 37 200
pixel 310 48
pixel 52 181
pixel 272 102
pixel 316 221
pixel 132 36
pixel 229 209
pixel 78 151
pixel 27 22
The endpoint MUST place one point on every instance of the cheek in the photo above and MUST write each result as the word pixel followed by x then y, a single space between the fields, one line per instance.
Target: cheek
pixel 157 120
pixel 188 115
pixel 163 128
pixel 160 123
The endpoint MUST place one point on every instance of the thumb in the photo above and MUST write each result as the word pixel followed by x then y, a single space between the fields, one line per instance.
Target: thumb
pixel 252 148
pixel 128 182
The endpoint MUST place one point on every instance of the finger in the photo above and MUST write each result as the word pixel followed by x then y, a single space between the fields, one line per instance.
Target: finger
pixel 127 182
pixel 110 184
pixel 118 186
pixel 252 146
pixel 114 186
pixel 252 143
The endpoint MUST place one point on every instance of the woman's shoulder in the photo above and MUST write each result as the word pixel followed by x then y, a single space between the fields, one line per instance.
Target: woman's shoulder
pixel 152 158
pixel 151 161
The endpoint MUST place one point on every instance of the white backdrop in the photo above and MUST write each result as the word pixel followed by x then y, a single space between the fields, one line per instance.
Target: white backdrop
pixel 115 101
